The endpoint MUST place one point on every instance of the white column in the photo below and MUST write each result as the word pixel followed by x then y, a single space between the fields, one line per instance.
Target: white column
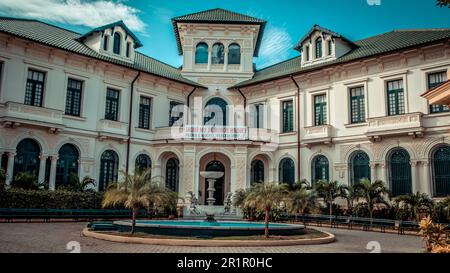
pixel 415 177
pixel 426 179
pixel 225 67
pixel 10 169
pixel 52 183
pixel 209 58
pixel 373 172
pixel 42 161
pixel 383 174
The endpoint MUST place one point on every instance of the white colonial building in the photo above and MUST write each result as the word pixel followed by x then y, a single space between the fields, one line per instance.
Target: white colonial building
pixel 91 104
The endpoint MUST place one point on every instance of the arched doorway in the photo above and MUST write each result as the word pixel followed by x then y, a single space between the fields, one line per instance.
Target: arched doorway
pixel 287 171
pixel 441 171
pixel 109 169
pixel 67 164
pixel 400 172
pixel 172 174
pixel 320 169
pixel 257 172
pixel 219 194
pixel 359 167
pixel 143 164
pixel 27 157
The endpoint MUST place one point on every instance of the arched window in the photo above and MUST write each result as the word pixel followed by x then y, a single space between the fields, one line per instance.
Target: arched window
pixel 109 169
pixel 234 54
pixel 257 172
pixel 287 171
pixel 319 48
pixel 218 54
pixel 172 174
pixel 67 164
pixel 105 43
pixel 143 163
pixel 215 112
pixel 117 43
pixel 27 157
pixel 441 171
pixel 320 169
pixel 359 167
pixel 201 53
pixel 400 172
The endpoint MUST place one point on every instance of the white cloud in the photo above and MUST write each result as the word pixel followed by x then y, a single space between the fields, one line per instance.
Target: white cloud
pixel 75 12
pixel 275 46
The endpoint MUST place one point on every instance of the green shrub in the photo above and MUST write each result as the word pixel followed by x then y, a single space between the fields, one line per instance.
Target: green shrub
pixel 43 199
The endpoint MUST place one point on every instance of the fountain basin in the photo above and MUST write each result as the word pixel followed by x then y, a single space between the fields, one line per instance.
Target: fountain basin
pixel 208 229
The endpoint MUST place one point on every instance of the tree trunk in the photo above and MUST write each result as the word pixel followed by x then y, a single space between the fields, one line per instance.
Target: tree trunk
pixel 331 213
pixel 134 216
pixel 266 219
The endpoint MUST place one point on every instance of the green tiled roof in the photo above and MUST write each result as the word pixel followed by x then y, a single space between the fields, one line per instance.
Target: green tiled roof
pixel 53 36
pixel 218 16
pixel 137 42
pixel 380 44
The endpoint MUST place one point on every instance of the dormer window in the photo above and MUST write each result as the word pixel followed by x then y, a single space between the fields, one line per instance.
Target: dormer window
pixel 128 50
pixel 234 54
pixel 330 47
pixel 218 54
pixel 306 53
pixel 318 48
pixel 105 42
pixel 117 43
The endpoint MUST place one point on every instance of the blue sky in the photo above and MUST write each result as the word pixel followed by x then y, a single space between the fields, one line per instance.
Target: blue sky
pixel 288 20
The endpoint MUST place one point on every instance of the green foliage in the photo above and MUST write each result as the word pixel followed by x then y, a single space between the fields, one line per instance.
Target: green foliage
pixel 441 211
pixel 75 184
pixel 43 199
pixel 415 205
pixel 27 181
pixel 373 194
pixel 329 191
pixel 2 179
pixel 301 200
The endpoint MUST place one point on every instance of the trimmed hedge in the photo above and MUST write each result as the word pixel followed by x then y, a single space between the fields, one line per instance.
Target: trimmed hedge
pixel 43 199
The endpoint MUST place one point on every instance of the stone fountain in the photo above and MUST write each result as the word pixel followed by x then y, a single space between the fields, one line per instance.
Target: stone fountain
pixel 211 178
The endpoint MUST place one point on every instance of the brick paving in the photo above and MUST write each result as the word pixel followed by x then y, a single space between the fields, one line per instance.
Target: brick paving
pixel 53 237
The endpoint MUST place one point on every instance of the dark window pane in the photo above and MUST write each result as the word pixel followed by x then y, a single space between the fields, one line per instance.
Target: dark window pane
pixel 319 48
pixel 117 43
pixel 73 99
pixel 288 116
pixel 144 113
pixel 112 104
pixel 396 99
pixel 434 80
pixel 234 54
pixel 34 88
pixel 201 53
pixel 357 105
pixel 174 112
pixel 320 110
pixel 287 171
pixel 320 169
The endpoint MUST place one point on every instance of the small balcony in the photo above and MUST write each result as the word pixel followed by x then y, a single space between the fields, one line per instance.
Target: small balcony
pixel 15 114
pixel 109 129
pixel 407 124
pixel 318 135
pixel 263 135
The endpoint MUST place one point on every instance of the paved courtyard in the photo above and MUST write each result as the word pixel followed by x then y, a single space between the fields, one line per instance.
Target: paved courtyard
pixel 53 237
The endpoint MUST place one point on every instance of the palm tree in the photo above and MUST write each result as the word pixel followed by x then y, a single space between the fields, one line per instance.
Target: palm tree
pixel 137 191
pixel 300 200
pixel 329 191
pixel 351 195
pixel 82 185
pixel 416 203
pixel 264 197
pixel 372 193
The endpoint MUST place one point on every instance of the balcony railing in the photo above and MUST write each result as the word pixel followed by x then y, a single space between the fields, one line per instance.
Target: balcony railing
pixel 318 135
pixel 14 114
pixel 407 124
pixel 105 126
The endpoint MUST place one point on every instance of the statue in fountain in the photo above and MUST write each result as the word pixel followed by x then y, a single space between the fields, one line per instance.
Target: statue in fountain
pixel 193 200
pixel 228 203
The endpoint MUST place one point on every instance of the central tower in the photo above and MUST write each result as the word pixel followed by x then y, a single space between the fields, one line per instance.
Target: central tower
pixel 218 46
